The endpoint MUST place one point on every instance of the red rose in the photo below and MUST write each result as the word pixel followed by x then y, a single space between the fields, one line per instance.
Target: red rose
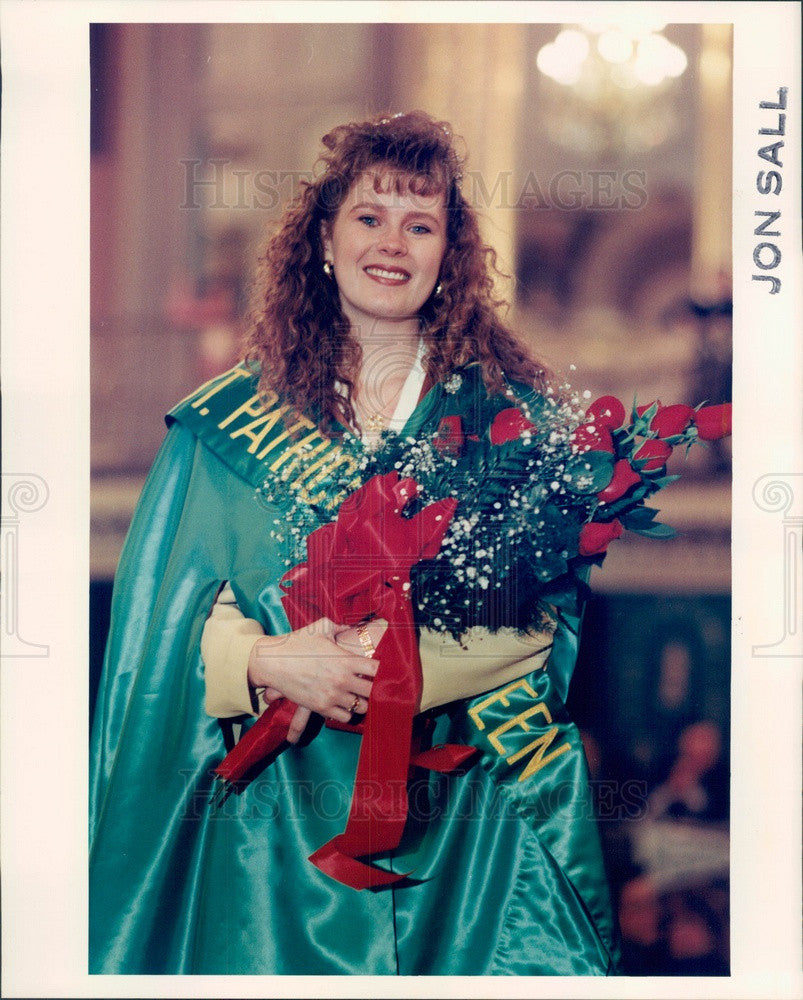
pixel 671 420
pixel 624 476
pixel 656 451
pixel 449 437
pixel 592 437
pixel 608 412
pixel 508 425
pixel 596 535
pixel 713 422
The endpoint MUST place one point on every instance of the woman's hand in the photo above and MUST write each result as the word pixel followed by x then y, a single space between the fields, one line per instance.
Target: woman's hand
pixel 310 667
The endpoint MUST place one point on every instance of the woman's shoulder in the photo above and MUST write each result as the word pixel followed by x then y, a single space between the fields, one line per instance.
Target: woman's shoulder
pixel 219 394
pixel 228 414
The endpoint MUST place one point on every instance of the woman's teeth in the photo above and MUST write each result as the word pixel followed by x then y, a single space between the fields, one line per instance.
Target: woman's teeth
pixel 380 272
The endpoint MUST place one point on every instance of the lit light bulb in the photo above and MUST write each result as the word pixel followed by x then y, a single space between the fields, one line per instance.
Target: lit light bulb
pixel 652 59
pixel 563 59
pixel 546 59
pixel 552 64
pixel 572 45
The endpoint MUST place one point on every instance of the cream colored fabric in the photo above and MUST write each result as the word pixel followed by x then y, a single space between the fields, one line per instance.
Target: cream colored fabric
pixel 226 644
pixel 482 661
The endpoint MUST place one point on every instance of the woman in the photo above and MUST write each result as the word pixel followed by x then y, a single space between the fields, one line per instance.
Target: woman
pixel 377 313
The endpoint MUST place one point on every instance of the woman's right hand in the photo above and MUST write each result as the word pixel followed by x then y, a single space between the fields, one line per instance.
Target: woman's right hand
pixel 308 667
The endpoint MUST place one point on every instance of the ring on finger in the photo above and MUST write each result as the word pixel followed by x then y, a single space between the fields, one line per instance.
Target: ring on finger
pixel 355 704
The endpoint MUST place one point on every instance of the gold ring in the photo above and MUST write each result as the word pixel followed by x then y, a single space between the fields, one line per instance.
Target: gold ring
pixel 365 639
pixel 354 704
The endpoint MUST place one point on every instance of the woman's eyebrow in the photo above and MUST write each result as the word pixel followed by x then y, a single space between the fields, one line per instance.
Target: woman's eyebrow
pixel 373 206
pixel 376 207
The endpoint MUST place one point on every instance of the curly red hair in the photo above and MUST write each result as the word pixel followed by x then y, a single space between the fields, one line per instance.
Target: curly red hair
pixel 299 335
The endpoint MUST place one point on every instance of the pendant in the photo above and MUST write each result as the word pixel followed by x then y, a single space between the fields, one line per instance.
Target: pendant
pixel 374 423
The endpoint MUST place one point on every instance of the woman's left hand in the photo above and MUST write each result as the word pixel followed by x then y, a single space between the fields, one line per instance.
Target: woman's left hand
pixel 348 640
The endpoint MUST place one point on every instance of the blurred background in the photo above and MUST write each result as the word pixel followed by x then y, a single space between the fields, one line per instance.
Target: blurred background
pixel 599 159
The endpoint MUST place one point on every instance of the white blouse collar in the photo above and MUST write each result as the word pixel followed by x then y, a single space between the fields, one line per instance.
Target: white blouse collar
pixel 411 391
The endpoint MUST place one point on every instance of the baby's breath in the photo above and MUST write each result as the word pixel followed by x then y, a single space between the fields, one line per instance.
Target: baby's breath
pixel 511 547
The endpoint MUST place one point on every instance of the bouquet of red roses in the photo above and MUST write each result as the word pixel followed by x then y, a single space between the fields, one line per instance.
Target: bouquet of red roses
pixel 541 488
pixel 632 457
pixel 541 497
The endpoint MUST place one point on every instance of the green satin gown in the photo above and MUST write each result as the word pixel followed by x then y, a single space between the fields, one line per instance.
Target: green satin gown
pixel 506 870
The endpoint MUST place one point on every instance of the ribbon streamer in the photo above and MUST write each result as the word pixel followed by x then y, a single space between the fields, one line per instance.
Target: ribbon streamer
pixel 358 567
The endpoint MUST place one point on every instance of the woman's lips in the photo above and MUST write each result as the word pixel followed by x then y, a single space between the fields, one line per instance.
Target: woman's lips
pixel 387 275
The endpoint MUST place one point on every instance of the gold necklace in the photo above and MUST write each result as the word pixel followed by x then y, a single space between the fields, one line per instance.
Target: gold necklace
pixel 374 423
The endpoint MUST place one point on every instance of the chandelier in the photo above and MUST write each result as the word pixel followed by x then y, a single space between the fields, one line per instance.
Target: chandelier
pixel 610 88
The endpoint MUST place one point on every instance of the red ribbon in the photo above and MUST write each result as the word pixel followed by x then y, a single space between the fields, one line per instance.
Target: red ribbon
pixel 359 567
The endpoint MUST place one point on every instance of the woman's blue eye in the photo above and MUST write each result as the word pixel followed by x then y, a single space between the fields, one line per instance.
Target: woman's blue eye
pixel 420 228
pixel 369 220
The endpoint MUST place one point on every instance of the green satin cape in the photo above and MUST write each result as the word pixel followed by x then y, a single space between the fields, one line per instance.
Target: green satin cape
pixel 507 876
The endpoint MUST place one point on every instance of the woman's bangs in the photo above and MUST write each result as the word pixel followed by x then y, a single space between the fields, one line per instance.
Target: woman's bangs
pixel 387 178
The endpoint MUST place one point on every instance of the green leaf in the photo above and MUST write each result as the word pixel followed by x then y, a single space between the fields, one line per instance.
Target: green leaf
pixel 654 531
pixel 621 439
pixel 662 481
pixel 639 517
pixel 625 503
pixel 590 472
pixel 641 424
pixel 549 567
pixel 648 414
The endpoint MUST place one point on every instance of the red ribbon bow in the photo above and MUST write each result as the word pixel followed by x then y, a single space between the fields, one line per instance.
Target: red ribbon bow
pixel 357 567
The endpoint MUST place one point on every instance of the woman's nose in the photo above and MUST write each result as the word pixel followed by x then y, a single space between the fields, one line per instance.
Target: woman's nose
pixel 393 242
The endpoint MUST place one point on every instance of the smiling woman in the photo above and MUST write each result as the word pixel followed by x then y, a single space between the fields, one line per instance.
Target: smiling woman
pixel 403 721
pixel 384 249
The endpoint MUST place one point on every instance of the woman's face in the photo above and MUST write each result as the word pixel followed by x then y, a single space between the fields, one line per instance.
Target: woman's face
pixel 386 248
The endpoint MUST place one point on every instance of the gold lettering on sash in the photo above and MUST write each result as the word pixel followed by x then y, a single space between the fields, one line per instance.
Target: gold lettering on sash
pixel 252 407
pixel 327 456
pixel 538 746
pixel 197 404
pixel 502 696
pixel 517 720
pixel 327 470
pixel 267 422
pixel 293 452
pixel 301 424
pixel 265 414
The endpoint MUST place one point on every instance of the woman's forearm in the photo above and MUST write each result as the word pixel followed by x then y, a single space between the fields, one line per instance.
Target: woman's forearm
pixel 480 662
